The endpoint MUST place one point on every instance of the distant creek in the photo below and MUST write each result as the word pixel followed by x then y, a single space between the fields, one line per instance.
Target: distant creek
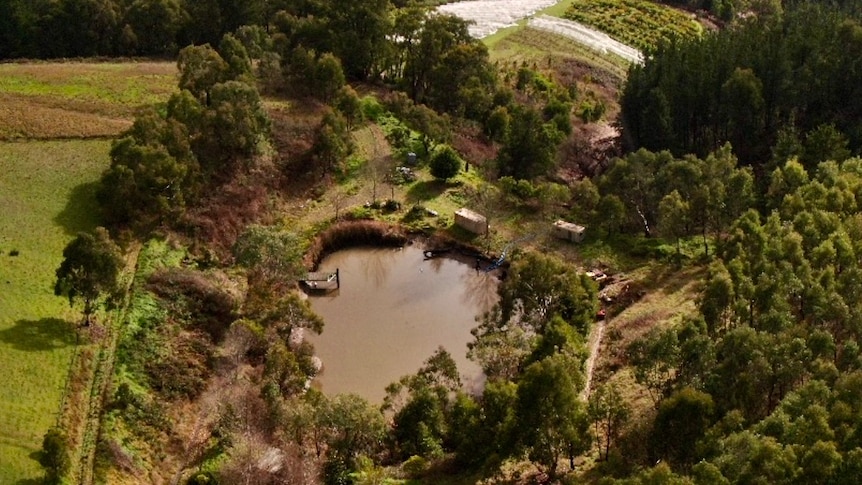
pixel 393 310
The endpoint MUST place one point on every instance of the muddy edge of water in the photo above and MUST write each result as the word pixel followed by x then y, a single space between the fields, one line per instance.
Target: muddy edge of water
pixel 394 309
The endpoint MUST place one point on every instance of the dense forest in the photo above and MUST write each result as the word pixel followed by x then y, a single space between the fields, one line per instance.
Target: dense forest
pixel 744 142
pixel 774 87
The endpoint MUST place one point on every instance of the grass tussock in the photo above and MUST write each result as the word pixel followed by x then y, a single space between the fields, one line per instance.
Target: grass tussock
pixel 353 233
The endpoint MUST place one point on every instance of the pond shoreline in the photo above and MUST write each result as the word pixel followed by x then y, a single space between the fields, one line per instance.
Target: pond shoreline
pixel 350 234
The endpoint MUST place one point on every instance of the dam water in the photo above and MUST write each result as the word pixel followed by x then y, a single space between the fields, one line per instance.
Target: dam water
pixel 393 310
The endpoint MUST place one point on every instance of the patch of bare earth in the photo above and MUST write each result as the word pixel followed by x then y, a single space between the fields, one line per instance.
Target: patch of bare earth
pixel 655 298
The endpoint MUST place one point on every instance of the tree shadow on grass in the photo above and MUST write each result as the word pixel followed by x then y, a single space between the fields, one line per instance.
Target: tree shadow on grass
pixel 425 190
pixel 39 335
pixel 30 481
pixel 35 456
pixel 81 211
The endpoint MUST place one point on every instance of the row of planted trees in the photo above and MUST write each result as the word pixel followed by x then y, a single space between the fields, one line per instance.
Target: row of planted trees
pixel 771 85
pixel 758 385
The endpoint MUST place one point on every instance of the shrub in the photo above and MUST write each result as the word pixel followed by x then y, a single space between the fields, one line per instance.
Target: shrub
pixel 360 213
pixel 391 205
pixel 445 163
pixel 184 369
pixel 371 108
pixel 208 306
pixel 519 189
pixel 202 478
pixel 415 466
pixel 591 110
pixel 497 124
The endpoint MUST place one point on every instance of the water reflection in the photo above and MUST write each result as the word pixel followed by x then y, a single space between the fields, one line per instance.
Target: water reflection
pixel 393 310
pixel 480 290
pixel 376 265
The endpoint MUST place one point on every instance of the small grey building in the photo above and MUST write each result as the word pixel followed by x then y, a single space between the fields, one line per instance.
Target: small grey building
pixel 471 221
pixel 569 231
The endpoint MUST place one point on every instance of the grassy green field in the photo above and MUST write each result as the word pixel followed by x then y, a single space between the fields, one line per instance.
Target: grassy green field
pixel 47 194
pixel 46 191
pixel 78 99
pixel 639 23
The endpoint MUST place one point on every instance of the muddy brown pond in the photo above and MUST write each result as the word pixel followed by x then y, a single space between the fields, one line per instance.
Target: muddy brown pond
pixel 393 310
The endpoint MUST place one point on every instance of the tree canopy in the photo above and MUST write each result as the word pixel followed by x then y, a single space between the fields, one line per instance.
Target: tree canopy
pixel 798 71
pixel 90 270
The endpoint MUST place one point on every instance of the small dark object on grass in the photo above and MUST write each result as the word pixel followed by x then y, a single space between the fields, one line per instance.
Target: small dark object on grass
pixel 392 205
pixel 14 252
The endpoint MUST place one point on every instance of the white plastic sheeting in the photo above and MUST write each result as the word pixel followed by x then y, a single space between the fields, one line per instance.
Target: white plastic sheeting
pixel 587 36
pixel 492 15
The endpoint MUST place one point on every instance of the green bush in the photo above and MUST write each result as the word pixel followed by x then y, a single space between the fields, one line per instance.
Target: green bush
pixel 360 213
pixel 371 108
pixel 445 163
pixel 202 478
pixel 415 466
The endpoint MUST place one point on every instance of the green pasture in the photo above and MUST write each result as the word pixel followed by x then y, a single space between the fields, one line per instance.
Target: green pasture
pixel 47 196
pixel 121 86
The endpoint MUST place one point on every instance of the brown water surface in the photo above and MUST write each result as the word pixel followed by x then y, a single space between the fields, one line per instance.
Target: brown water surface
pixel 394 309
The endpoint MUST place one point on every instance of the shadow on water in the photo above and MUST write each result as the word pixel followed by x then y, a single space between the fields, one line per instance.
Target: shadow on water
pixel 38 335
pixel 80 213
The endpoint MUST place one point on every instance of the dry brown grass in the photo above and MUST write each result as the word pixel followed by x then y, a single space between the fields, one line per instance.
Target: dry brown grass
pixel 24 117
pixel 78 99
pixel 667 296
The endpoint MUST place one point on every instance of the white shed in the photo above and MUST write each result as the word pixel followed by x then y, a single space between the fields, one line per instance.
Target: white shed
pixel 569 231
pixel 471 221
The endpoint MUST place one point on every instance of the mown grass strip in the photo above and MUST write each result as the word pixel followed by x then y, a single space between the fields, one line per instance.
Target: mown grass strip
pixel 639 23
pixel 46 191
